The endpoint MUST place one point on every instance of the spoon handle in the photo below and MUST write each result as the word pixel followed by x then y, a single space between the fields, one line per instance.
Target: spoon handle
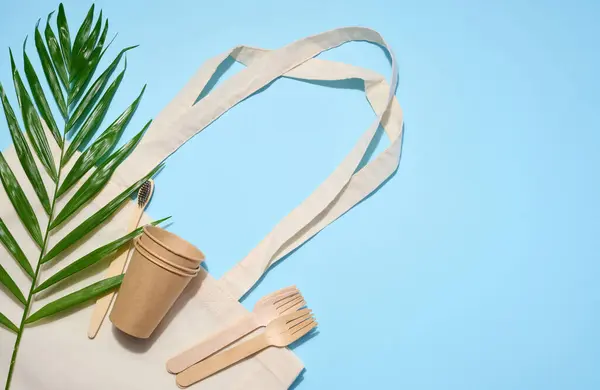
pixel 212 344
pixel 222 360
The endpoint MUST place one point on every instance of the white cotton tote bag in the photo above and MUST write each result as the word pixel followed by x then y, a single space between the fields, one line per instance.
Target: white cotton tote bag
pixel 58 355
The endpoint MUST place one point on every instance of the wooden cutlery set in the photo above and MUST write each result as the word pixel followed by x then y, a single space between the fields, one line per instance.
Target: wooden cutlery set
pixel 161 266
pixel 282 314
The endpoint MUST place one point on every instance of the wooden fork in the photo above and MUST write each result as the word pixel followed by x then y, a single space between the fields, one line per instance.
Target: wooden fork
pixel 281 332
pixel 267 309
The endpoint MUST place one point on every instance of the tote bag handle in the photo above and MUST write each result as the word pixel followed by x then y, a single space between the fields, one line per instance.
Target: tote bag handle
pixel 345 187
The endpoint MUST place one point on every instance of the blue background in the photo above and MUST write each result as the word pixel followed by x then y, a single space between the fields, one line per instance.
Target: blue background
pixel 476 266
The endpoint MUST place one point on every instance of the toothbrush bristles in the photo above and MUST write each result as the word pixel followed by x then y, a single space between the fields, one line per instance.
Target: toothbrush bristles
pixel 144 193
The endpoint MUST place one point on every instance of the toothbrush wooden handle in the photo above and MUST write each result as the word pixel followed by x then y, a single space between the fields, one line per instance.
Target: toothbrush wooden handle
pixel 212 344
pixel 116 268
pixel 220 361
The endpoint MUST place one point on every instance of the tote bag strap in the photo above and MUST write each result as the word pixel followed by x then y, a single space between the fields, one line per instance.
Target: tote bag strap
pixel 363 182
pixel 345 187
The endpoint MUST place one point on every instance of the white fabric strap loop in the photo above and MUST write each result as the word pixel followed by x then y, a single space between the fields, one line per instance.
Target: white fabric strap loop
pixel 361 184
pixel 345 187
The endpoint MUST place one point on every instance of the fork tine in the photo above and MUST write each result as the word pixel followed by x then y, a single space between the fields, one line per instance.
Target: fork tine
pixel 298 332
pixel 284 294
pixel 294 307
pixel 274 296
pixel 289 301
pixel 298 321
pixel 292 316
pixel 284 301
pixel 271 300
pixel 285 290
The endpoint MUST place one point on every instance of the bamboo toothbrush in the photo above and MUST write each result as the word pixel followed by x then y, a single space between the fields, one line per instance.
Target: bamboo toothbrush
pixel 117 267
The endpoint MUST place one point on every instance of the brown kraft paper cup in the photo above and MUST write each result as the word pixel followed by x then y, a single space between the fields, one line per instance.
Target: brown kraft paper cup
pixel 149 289
pixel 166 244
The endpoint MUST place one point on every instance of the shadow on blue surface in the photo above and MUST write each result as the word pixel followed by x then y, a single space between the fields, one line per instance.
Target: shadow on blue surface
pixel 310 335
pixel 221 70
pixel 298 380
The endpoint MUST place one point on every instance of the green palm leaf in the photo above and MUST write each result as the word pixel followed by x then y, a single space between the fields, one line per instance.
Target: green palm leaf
pixel 10 284
pixel 33 126
pixel 11 245
pixel 20 202
pixel 92 258
pixel 23 153
pixel 94 92
pixel 96 219
pixel 96 182
pixel 89 45
pixel 56 53
pixel 94 119
pixel 64 36
pixel 49 72
pixel 8 323
pixel 81 37
pixel 40 99
pixel 107 140
pixel 68 69
pixel 86 72
pixel 86 294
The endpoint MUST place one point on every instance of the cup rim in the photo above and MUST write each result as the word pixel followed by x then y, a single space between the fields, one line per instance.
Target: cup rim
pixel 164 263
pixel 148 234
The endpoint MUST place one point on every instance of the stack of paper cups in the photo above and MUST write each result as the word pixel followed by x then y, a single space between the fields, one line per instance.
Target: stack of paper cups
pixel 161 266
